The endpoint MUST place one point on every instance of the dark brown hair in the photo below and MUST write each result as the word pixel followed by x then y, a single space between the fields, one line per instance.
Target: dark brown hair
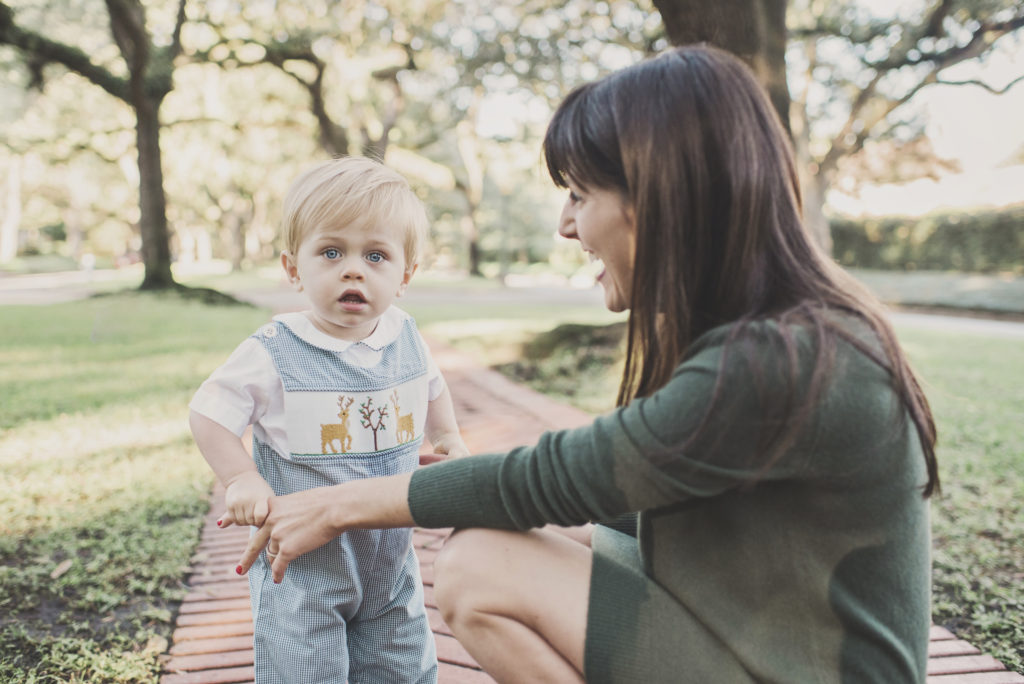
pixel 692 142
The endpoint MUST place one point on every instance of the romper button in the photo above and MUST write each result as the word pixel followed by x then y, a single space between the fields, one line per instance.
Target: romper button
pixel 269 330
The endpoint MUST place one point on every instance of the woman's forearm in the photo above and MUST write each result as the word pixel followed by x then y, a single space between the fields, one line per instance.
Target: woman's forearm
pixel 374 503
pixel 306 520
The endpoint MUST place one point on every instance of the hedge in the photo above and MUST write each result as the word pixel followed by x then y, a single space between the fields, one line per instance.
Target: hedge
pixel 982 242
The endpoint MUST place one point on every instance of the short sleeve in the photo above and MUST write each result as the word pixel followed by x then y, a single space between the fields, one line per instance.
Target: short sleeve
pixel 435 380
pixel 239 392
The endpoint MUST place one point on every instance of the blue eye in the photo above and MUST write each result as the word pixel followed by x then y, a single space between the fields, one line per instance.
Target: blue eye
pixel 376 257
pixel 573 197
pixel 331 253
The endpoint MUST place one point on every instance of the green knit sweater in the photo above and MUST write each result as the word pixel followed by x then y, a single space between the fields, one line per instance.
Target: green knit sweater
pixel 813 567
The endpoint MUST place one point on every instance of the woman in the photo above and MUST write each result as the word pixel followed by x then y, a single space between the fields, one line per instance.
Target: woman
pixel 769 432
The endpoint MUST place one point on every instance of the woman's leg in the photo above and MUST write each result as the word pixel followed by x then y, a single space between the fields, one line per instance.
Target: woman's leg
pixel 517 601
pixel 582 534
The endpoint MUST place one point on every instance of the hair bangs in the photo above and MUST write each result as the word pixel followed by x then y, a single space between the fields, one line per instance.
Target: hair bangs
pixel 576 144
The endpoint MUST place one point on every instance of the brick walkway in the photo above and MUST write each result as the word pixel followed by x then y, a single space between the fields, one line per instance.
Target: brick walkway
pixel 212 642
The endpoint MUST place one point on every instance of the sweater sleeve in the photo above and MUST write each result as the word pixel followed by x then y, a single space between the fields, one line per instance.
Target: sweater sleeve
pixel 626 461
pixel 695 437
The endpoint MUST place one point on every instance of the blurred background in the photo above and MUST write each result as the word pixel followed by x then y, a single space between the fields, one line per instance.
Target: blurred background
pixel 159 137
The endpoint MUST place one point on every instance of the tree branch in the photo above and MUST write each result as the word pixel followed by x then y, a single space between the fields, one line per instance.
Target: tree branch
pixel 982 84
pixel 42 51
pixel 934 28
pixel 176 36
pixel 981 40
pixel 128 27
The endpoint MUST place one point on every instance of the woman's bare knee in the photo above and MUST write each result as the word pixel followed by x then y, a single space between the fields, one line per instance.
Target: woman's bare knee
pixel 459 570
pixel 516 594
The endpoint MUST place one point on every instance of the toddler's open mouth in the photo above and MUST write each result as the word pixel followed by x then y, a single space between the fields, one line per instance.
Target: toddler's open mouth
pixel 352 298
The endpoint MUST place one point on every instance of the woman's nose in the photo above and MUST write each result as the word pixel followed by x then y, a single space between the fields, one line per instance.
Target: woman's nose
pixel 567 221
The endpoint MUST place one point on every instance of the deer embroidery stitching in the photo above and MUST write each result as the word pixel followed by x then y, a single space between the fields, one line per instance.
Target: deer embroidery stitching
pixel 404 430
pixel 337 431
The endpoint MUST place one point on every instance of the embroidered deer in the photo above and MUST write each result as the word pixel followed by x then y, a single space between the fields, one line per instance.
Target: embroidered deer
pixel 337 431
pixel 404 430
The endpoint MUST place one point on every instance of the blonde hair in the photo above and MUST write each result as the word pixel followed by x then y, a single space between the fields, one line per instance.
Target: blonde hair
pixel 353 190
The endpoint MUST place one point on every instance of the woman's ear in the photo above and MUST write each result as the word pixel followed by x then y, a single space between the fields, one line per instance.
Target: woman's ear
pixel 291 270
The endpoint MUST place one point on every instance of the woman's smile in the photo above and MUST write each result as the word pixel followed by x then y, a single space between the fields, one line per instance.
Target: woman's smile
pixel 603 222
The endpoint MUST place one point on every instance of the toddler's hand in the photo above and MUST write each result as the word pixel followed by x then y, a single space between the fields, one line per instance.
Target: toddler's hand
pixel 446 448
pixel 246 498
pixel 458 450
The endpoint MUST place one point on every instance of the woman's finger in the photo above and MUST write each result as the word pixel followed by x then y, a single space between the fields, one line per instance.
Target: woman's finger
pixel 279 566
pixel 256 544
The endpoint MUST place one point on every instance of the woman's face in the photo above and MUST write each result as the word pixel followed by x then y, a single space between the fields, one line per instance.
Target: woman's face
pixel 605 225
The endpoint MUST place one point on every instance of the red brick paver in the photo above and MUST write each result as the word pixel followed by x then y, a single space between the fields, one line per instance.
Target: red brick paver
pixel 212 642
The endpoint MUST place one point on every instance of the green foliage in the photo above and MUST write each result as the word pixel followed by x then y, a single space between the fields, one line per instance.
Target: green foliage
pixel 574 362
pixel 101 488
pixel 982 242
pixel 973 384
pixel 1000 293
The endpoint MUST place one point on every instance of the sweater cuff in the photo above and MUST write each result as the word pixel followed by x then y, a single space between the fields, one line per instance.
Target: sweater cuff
pixel 459 493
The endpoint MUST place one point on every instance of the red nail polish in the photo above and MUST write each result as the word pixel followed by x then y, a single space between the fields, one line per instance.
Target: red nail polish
pixel 219 523
pixel 239 570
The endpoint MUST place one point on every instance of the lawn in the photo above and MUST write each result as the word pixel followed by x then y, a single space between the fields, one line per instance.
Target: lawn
pixel 974 386
pixel 102 490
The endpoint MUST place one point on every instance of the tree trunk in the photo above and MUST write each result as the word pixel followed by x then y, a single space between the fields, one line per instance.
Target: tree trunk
pixel 754 30
pixel 11 220
pixel 472 234
pixel 813 181
pixel 815 220
pixel 149 80
pixel 238 238
pixel 469 150
pixel 156 252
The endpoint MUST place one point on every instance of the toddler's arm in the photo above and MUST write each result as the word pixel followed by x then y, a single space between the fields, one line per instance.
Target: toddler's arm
pixel 441 428
pixel 246 491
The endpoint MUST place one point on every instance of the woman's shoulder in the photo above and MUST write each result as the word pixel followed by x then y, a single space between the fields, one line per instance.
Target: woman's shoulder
pixel 794 336
pixel 798 324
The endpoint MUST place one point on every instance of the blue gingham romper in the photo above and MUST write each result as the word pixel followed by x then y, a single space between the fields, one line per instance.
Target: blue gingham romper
pixel 352 610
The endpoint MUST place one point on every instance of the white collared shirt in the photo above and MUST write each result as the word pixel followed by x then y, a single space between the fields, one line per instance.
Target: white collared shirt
pixel 247 390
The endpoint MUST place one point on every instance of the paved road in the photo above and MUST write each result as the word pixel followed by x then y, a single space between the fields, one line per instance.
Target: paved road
pixel 52 288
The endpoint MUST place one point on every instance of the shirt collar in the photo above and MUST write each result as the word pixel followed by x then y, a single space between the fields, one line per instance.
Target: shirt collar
pixel 388 328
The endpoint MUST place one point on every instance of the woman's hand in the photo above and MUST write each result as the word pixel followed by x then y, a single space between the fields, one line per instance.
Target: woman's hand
pixel 300 522
pixel 294 524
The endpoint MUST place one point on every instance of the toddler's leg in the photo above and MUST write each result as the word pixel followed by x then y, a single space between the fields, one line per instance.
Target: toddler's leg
pixel 297 636
pixel 394 643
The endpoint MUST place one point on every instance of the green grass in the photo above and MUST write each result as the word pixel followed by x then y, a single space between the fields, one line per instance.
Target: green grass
pixel 101 488
pixel 974 386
